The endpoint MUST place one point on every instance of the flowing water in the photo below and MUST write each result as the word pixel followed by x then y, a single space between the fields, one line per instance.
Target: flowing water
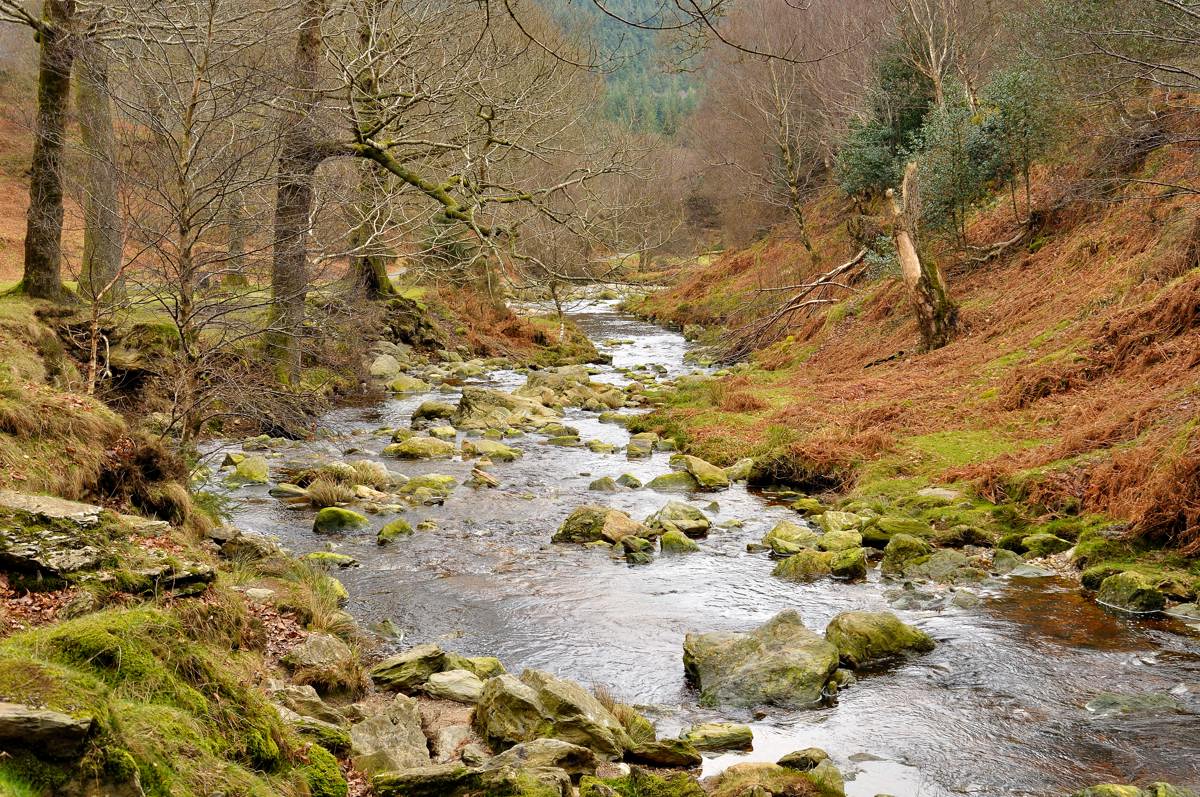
pixel 997 709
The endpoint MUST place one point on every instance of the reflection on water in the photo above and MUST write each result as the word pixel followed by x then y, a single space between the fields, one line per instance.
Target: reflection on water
pixel 997 708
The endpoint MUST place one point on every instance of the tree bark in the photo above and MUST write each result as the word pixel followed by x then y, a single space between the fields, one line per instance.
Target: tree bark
pixel 937 315
pixel 294 199
pixel 44 219
pixel 368 266
pixel 103 237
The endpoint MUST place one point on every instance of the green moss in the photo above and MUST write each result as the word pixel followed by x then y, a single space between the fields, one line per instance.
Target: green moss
pixel 640 783
pixel 322 774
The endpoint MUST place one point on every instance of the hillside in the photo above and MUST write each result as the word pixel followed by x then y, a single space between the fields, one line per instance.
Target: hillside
pixel 1071 385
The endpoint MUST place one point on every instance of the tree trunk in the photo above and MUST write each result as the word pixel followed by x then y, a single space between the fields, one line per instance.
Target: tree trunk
pixel 936 314
pixel 99 276
pixel 44 219
pixel 368 266
pixel 236 275
pixel 294 199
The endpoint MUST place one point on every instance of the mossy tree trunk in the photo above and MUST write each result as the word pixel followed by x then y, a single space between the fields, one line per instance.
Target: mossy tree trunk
pixel 937 315
pixel 44 218
pixel 294 198
pixel 368 265
pixel 100 270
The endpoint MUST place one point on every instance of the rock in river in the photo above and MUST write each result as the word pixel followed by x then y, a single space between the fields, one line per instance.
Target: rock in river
pixel 590 523
pixel 715 737
pixel 707 475
pixel 335 520
pixel 420 448
pixel 780 663
pixel 864 638
pixel 1132 592
pixel 678 516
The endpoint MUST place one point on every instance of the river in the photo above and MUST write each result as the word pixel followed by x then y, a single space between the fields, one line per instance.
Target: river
pixel 997 709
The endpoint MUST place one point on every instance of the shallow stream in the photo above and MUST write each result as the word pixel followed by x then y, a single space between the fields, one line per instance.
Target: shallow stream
pixel 997 709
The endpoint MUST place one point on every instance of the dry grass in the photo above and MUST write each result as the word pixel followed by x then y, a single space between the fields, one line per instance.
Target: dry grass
pixel 324 491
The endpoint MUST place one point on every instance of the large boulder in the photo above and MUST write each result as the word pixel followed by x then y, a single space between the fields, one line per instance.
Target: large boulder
pixel 336 520
pixel 1132 592
pixel 432 411
pixel 482 408
pixel 390 740
pixel 252 470
pixel 674 482
pixel 866 638
pixel 805 566
pixel 420 447
pixel 538 705
pixel 509 712
pixel 849 564
pixel 678 516
pixel 780 663
pixel 408 671
pixel 707 475
pixel 576 715
pixel 48 733
pixel 591 523
pixel 677 542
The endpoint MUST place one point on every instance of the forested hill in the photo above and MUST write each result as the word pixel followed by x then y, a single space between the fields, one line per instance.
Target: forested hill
pixel 644 87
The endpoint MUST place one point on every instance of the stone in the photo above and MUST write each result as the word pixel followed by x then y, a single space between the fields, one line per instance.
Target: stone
pixel 1114 704
pixel 484 667
pixel 832 521
pixel 461 686
pixel 384 366
pixel 52 734
pixel 446 433
pixel 629 480
pixel 944 567
pixel 707 475
pixel 787 538
pixel 483 408
pixel 828 779
pixel 674 482
pixel 805 566
pixel 336 520
pixel 393 530
pixel 434 485
pixel 576 715
pixel 322 658
pixel 288 491
pixel 639 782
pixel 678 516
pixel 1131 591
pixel 673 753
pixel 591 523
pixel 408 671
pixel 869 638
pixel 677 542
pixel 433 411
pixel 508 712
pixel 304 700
pixel 839 540
pixel 448 741
pixel 420 448
pixel 497 452
pixel 329 559
pixel 1004 561
pixel 849 564
pixel 390 740
pixel 896 524
pixel 740 470
pixel 605 484
pixel 641 446
pixel 601 447
pixel 407 384
pixel 803 760
pixel 543 753
pixel 1038 545
pixel 716 737
pixel 901 551
pixel 807 506
pixel 252 470
pixel 764 780
pixel 781 663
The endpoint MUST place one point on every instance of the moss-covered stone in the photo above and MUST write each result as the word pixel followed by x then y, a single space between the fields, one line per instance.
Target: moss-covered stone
pixel 806 565
pixel 322 774
pixel 640 783
pixel 707 475
pixel 1132 592
pixel 420 448
pixel 497 452
pixel 901 551
pixel 786 538
pixel 674 482
pixel 1037 545
pixel 393 530
pixel 336 520
pixel 252 470
pixel 590 523
pixel 849 564
pixel 409 670
pixel 839 540
pixel 677 542
pixel 807 506
pixel 715 737
pixel 866 638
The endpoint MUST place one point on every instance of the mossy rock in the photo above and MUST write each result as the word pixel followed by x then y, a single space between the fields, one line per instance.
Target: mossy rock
pixel 605 484
pixel 849 564
pixel 715 737
pixel 1037 545
pixel 336 520
pixel 408 671
pixel 629 480
pixel 393 530
pixel 640 783
pixel 322 774
pixel 807 565
pixel 1132 592
pixel 677 542
pixel 897 524
pixel 807 506
pixel 497 452
pixel 742 780
pixel 786 538
pixel 675 482
pixel 839 540
pixel 329 559
pixel 707 475
pixel 252 470
pixel 420 448
pixel 1013 541
pixel 869 638
pixel 902 550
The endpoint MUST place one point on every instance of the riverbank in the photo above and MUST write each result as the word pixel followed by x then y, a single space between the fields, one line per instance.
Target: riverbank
pixel 437 561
